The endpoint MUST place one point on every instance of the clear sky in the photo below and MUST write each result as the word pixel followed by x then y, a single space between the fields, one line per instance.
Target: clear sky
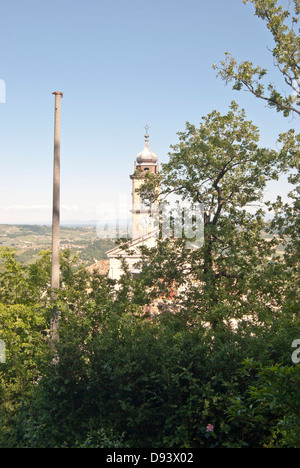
pixel 120 64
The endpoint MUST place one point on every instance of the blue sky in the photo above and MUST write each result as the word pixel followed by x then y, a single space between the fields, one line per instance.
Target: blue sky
pixel 120 64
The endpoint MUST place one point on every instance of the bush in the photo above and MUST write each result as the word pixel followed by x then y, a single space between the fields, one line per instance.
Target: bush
pixel 159 383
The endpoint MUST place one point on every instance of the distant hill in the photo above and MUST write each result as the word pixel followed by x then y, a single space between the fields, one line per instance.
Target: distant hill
pixel 29 240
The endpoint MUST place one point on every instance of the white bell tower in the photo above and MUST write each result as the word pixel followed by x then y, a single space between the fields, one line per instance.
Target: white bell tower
pixel 144 215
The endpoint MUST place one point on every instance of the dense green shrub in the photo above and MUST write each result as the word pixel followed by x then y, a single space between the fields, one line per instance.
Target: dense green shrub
pixel 120 379
pixel 159 383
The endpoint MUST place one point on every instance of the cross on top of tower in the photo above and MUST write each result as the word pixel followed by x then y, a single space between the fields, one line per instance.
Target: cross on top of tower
pixel 147 128
pixel 146 156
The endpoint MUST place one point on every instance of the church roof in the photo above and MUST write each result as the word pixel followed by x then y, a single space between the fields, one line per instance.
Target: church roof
pixel 146 156
pixel 135 244
pixel 100 267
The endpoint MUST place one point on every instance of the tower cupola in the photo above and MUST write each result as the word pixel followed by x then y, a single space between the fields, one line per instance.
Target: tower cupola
pixel 146 160
pixel 146 156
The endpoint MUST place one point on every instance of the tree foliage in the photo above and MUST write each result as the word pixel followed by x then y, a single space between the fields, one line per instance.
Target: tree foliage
pixel 213 368
pixel 238 273
pixel 282 24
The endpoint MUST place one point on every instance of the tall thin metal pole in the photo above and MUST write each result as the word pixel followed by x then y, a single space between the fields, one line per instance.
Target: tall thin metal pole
pixel 54 325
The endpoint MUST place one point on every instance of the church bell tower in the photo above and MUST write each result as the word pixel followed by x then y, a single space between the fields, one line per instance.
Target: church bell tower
pixel 144 214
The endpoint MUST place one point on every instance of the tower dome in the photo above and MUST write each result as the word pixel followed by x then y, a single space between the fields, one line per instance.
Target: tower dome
pixel 146 156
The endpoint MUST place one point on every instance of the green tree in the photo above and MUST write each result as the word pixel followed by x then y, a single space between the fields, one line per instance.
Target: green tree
pixel 272 398
pixel 13 278
pixel 23 328
pixel 282 24
pixel 221 165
